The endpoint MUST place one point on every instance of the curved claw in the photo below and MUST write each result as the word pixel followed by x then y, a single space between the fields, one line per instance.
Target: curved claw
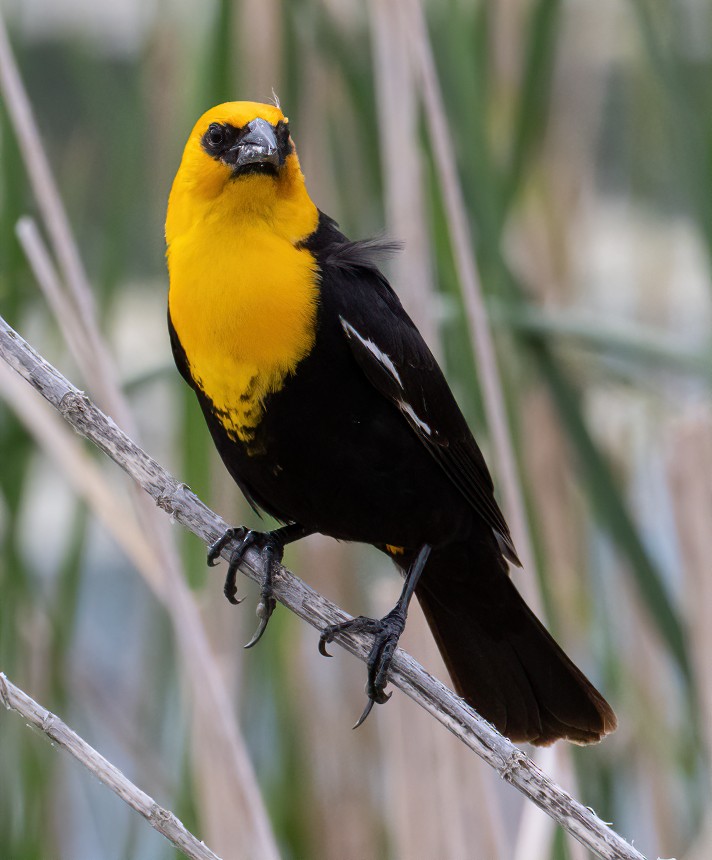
pixel 217 547
pixel 366 711
pixel 265 608
pixel 323 641
pixel 258 633
pixel 382 697
pixel 271 548
pixel 247 538
pixel 230 586
pixel 246 541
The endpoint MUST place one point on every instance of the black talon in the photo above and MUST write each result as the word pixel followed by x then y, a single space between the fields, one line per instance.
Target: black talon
pixel 271 556
pixel 246 541
pixel 271 546
pixel 230 586
pixel 247 538
pixel 366 711
pixel 386 633
pixel 323 640
pixel 265 608
pixel 271 550
pixel 219 545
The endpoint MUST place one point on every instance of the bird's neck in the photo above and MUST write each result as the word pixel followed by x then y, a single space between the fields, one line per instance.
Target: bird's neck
pixel 243 300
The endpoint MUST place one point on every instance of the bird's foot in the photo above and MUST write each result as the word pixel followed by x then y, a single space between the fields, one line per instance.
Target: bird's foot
pixel 386 632
pixel 271 549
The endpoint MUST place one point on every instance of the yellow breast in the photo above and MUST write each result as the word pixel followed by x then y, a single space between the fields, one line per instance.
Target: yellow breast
pixel 243 293
pixel 243 303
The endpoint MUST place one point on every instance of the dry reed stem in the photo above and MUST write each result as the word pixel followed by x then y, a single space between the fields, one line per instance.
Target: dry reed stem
pixel 413 19
pixel 162 820
pixel 424 822
pixel 55 218
pixel 216 731
pixel 689 456
pixel 222 748
pixel 488 372
pixel 90 484
pixel 178 501
pixel 55 438
pixel 62 446
pixel 402 165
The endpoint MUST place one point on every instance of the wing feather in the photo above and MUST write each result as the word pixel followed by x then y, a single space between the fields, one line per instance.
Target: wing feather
pixel 394 357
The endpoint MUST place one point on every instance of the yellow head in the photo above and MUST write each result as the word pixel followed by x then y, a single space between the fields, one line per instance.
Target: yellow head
pixel 240 165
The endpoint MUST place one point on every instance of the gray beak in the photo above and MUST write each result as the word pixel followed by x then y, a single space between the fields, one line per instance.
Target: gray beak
pixel 257 146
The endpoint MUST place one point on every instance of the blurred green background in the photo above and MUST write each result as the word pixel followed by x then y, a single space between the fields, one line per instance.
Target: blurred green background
pixel 583 141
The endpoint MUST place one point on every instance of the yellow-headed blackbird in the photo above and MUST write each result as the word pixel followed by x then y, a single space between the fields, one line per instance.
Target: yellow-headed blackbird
pixel 332 415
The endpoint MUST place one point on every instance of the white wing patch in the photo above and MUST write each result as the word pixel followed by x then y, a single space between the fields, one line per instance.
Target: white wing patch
pixel 380 356
pixel 386 362
pixel 407 410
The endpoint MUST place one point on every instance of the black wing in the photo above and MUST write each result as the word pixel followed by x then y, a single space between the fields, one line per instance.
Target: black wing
pixel 392 353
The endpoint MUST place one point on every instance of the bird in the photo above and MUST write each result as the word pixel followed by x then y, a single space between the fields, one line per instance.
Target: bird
pixel 332 415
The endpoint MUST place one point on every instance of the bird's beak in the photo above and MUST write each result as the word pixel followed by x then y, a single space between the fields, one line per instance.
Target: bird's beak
pixel 257 146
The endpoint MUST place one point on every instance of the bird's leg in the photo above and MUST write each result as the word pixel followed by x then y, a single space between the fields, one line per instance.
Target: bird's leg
pixel 386 632
pixel 271 547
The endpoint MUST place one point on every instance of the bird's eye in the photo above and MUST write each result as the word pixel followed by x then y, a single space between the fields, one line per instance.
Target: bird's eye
pixel 216 134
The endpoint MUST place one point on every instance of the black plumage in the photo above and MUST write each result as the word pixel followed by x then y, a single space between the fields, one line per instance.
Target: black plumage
pixel 365 442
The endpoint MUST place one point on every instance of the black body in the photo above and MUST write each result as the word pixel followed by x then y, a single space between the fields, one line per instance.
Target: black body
pixel 365 442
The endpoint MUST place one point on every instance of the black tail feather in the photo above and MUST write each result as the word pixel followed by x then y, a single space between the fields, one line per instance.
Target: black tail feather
pixel 502 660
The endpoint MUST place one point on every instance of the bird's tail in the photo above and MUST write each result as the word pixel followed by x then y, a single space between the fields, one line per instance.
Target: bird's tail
pixel 501 659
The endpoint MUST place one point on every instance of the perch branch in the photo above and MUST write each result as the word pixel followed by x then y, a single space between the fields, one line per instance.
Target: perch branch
pixel 177 500
pixel 162 820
